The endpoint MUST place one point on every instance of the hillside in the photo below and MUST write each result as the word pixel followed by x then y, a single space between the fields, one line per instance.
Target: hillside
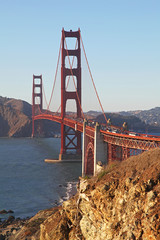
pixel 135 122
pixel 150 117
pixel 121 202
pixel 13 120
pixel 17 104
pixel 16 120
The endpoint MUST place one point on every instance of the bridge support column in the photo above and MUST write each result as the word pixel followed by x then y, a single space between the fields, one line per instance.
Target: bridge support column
pixel 83 148
pixel 100 149
pixel 109 152
pixel 94 152
pixel 125 153
pixel 116 153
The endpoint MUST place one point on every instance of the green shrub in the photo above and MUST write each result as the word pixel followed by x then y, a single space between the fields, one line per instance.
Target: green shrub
pixel 101 174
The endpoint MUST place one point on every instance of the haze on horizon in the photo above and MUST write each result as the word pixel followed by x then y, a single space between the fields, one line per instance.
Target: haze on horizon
pixel 121 39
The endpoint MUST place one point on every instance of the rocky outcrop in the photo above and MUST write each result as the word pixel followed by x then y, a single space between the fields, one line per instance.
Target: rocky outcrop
pixel 121 202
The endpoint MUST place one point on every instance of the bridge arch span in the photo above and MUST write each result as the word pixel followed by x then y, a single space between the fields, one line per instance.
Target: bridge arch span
pixel 48 117
pixel 89 163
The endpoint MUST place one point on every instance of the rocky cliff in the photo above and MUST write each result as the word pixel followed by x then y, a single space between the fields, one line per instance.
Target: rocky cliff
pixel 121 202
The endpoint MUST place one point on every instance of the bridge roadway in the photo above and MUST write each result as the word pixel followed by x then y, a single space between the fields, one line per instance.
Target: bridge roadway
pixel 140 141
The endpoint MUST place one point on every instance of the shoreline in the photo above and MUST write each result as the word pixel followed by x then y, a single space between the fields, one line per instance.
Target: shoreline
pixel 9 224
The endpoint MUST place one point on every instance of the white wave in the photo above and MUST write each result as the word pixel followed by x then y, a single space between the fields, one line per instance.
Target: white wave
pixel 71 190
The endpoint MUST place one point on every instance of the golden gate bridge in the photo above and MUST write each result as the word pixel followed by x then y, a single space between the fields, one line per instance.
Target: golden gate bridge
pixel 99 142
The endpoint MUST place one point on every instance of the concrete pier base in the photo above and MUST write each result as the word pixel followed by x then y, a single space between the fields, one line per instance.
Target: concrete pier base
pixel 66 158
pixel 70 156
pixel 62 161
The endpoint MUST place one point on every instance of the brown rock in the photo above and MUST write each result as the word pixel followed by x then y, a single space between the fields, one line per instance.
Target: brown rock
pixel 124 203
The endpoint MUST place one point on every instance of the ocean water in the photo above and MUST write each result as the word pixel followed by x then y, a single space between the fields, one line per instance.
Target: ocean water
pixel 27 183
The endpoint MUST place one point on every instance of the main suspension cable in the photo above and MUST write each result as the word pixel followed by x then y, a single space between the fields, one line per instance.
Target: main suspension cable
pixel 44 95
pixel 92 78
pixel 55 75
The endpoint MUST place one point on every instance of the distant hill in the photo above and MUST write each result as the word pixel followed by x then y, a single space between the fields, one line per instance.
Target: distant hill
pixel 16 120
pixel 151 117
pixel 92 113
pixel 16 104
pixel 13 120
pixel 135 122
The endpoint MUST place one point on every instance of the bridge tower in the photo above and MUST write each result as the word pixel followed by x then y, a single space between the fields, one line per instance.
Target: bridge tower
pixel 37 102
pixel 70 138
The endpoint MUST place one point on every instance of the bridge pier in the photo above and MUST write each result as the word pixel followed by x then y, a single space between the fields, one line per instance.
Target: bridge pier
pixel 70 156
pixel 97 152
pixel 94 151
pixel 100 149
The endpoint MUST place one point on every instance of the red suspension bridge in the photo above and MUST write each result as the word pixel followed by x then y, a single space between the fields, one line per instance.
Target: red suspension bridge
pixel 100 142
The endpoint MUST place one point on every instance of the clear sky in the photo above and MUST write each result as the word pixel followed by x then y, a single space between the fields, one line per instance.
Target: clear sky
pixel 121 38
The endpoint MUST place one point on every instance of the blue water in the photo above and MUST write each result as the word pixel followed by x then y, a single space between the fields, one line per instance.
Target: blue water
pixel 27 183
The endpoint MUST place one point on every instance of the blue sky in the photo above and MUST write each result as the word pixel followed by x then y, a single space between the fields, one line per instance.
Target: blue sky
pixel 121 38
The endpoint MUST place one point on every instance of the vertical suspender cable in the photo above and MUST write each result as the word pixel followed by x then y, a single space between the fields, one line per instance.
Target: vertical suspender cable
pixel 44 95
